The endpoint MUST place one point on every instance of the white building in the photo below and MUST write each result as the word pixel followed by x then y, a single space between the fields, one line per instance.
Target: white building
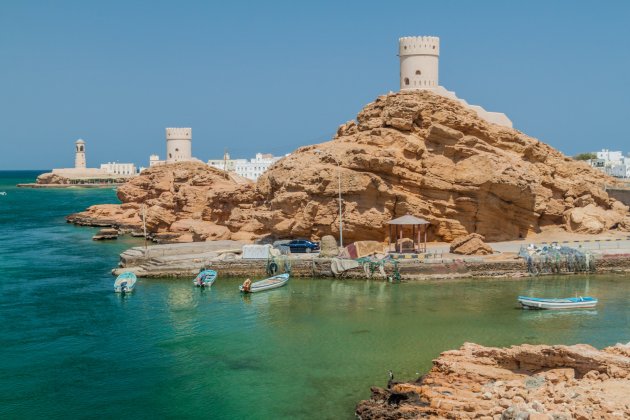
pixel 118 168
pixel 612 157
pixel 613 163
pixel 247 168
pixel 107 173
pixel 178 147
pixel 419 63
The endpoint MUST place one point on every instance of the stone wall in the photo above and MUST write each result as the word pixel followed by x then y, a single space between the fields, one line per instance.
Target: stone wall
pixel 622 195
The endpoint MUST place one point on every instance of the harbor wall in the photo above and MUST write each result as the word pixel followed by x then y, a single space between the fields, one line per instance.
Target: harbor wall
pixel 620 194
pixel 408 269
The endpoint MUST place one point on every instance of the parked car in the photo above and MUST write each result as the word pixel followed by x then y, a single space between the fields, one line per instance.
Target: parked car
pixel 302 245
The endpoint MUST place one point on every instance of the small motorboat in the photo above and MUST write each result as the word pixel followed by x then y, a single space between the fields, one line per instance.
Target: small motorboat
pixel 266 284
pixel 562 303
pixel 205 278
pixel 125 282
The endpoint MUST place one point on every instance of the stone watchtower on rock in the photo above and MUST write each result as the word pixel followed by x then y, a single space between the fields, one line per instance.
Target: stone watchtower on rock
pixel 79 154
pixel 419 56
pixel 178 144
pixel 419 59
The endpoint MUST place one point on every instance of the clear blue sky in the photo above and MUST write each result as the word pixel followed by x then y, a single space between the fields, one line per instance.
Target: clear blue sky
pixel 272 76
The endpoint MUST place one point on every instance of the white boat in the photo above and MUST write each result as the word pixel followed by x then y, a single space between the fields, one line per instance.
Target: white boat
pixel 266 284
pixel 562 303
pixel 3 193
pixel 125 282
pixel 205 279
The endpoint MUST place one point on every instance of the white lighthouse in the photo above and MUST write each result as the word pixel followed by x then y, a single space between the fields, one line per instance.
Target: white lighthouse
pixel 419 56
pixel 419 65
pixel 178 144
pixel 79 154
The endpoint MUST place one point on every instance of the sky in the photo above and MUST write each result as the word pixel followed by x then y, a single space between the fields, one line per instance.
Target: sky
pixel 255 76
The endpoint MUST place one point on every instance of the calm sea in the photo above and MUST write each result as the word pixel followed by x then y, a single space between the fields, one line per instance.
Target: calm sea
pixel 71 348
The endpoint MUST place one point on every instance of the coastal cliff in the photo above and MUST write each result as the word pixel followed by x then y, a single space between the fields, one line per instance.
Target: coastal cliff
pixel 521 382
pixel 407 152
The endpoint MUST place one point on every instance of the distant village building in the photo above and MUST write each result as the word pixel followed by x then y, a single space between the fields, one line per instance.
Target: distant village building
pixel 419 56
pixel 112 172
pixel 613 163
pixel 119 168
pixel 247 168
pixel 178 147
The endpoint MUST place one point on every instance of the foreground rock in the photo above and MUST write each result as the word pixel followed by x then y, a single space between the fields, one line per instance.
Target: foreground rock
pixel 407 152
pixel 472 244
pixel 521 382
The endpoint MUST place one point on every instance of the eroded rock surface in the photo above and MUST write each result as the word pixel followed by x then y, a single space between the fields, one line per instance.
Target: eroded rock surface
pixel 407 152
pixel 472 244
pixel 520 382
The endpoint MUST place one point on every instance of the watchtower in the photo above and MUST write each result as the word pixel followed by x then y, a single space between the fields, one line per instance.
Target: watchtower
pixel 79 154
pixel 178 144
pixel 419 56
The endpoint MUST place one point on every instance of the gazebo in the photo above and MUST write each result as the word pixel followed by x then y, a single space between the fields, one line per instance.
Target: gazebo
pixel 418 233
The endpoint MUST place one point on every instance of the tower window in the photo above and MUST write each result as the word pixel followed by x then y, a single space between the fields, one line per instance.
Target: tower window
pixel 407 81
pixel 177 150
pixel 418 72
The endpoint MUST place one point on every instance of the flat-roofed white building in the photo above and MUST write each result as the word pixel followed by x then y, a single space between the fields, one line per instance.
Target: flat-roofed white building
pixel 247 168
pixel 119 168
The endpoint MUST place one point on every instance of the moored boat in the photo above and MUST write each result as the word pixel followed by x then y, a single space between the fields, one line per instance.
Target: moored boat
pixel 205 278
pixel 125 282
pixel 266 284
pixel 561 303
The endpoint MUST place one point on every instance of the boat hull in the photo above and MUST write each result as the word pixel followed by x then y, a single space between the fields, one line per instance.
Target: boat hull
pixel 568 303
pixel 205 279
pixel 125 283
pixel 266 284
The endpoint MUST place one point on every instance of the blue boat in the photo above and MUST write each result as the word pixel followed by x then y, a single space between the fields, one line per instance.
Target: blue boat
pixel 561 303
pixel 125 282
pixel 205 278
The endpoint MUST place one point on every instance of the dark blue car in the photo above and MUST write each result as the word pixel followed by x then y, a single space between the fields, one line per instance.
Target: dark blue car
pixel 302 245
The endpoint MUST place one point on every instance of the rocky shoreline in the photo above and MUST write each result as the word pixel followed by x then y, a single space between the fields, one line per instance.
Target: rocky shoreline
pixel 536 382
pixel 406 153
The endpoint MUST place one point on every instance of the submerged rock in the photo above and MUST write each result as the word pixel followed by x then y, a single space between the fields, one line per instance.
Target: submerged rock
pixel 104 234
pixel 520 382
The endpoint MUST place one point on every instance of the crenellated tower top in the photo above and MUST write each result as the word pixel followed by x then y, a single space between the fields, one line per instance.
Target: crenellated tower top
pixel 423 45
pixel 179 133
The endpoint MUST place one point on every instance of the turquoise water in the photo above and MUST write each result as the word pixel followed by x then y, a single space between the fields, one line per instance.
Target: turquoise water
pixel 70 347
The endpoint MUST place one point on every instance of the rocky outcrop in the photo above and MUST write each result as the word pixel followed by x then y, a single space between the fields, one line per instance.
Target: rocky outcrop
pixel 50 178
pixel 472 244
pixel 520 382
pixel 407 153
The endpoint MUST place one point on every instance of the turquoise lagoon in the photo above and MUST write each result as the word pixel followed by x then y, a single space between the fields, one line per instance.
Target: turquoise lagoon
pixel 71 348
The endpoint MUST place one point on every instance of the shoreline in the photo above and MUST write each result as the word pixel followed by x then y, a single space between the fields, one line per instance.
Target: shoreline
pixel 187 259
pixel 53 186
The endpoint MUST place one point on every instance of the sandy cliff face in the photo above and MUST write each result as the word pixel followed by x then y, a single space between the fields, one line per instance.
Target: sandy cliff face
pixel 408 152
pixel 521 382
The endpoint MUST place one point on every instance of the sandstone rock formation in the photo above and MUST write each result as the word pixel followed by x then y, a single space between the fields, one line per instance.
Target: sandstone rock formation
pixel 472 244
pixel 328 247
pixel 408 152
pixel 521 382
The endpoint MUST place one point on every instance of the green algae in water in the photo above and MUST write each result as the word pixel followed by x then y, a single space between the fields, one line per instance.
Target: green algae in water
pixel 72 348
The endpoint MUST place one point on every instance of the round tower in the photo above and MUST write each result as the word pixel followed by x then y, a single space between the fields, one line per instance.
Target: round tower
pixel 79 154
pixel 419 56
pixel 178 144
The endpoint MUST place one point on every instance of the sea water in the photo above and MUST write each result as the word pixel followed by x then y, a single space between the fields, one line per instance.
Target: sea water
pixel 72 348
